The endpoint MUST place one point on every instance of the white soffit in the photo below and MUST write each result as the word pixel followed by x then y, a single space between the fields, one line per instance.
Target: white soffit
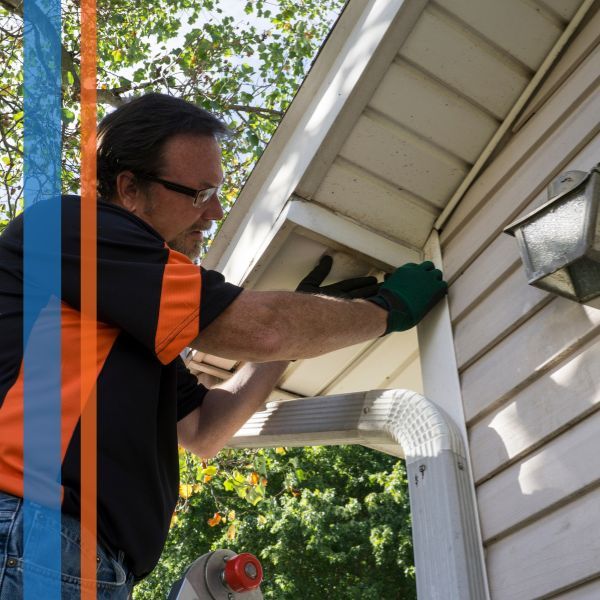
pixel 357 53
pixel 399 105
pixel 401 102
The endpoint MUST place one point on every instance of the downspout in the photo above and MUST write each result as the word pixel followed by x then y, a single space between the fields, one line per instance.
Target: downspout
pixel 446 543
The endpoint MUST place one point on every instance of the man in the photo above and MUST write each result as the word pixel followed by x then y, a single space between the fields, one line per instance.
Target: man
pixel 159 175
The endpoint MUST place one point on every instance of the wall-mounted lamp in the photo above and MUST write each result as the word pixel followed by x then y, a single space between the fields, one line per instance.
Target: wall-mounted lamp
pixel 559 242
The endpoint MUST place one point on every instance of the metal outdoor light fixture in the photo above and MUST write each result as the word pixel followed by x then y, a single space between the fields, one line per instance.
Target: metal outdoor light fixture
pixel 559 242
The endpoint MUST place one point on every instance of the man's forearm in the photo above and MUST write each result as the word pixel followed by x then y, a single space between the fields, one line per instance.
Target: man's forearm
pixel 228 406
pixel 264 326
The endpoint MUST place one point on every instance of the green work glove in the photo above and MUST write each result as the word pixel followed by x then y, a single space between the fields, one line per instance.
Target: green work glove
pixel 409 293
pixel 359 287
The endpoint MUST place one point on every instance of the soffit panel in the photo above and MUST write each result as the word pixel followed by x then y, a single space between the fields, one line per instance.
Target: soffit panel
pixel 385 359
pixel 521 29
pixel 420 103
pixel 441 100
pixel 564 9
pixel 366 198
pixel 466 61
pixel 403 159
pixel 360 367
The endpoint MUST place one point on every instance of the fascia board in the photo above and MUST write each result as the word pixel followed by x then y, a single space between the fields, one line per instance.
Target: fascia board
pixel 301 134
pixel 335 231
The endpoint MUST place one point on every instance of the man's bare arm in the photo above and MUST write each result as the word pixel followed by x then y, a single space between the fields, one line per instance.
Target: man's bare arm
pixel 227 407
pixel 267 326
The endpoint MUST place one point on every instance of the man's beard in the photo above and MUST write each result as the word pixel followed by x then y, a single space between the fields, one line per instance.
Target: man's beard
pixel 188 245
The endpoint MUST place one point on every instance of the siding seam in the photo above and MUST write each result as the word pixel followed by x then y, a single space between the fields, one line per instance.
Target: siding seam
pixel 571 587
pixel 556 433
pixel 540 514
pixel 514 325
pixel 541 370
pixel 488 291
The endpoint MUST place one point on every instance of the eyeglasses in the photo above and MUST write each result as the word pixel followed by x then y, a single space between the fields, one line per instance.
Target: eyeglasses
pixel 199 196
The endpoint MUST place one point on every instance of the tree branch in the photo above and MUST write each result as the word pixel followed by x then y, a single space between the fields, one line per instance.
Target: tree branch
pixel 266 112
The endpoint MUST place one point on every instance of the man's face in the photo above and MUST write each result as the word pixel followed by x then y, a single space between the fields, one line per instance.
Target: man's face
pixel 189 242
pixel 194 162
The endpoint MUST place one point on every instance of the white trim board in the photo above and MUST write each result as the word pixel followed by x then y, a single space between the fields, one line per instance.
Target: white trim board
pixel 335 231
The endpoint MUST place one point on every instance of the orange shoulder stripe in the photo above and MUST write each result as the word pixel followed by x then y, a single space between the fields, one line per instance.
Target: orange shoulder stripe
pixel 179 313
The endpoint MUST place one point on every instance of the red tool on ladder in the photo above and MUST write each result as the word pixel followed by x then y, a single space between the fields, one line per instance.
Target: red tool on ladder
pixel 220 575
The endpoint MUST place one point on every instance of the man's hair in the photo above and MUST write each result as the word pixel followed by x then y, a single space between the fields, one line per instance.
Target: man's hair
pixel 132 137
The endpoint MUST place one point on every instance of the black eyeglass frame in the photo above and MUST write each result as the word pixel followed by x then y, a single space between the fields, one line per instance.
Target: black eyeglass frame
pixel 200 196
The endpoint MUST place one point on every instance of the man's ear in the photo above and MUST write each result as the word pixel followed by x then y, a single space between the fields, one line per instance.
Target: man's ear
pixel 128 192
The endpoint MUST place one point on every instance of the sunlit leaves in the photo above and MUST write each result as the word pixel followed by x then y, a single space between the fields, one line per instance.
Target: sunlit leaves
pixel 341 532
pixel 245 68
pixel 215 519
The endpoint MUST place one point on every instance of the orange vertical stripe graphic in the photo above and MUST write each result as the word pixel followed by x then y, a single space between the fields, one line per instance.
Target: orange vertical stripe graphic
pixel 88 300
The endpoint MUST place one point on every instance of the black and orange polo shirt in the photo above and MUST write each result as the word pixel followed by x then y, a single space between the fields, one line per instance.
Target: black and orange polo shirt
pixel 152 302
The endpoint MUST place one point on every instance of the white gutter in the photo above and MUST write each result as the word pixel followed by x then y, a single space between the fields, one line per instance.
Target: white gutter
pixel 447 548
pixel 514 113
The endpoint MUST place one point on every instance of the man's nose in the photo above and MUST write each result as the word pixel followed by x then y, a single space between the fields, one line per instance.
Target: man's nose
pixel 214 210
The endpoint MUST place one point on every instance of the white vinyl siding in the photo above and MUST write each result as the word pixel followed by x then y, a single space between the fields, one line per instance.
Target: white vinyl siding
pixel 530 362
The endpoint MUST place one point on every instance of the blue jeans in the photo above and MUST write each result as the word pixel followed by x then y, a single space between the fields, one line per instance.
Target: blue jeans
pixel 114 581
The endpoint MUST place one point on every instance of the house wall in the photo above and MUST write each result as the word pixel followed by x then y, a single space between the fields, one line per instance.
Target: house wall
pixel 529 362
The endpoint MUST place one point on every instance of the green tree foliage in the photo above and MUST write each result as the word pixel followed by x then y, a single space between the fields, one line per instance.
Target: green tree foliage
pixel 335 523
pixel 246 69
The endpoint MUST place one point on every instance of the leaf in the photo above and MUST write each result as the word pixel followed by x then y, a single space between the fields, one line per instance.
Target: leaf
pixel 254 496
pixel 253 478
pixel 238 478
pixel 243 491
pixel 70 78
pixel 231 531
pixel 185 490
pixel 231 515
pixel 261 465
pixel 261 519
pixel 211 470
pixel 215 520
pixel 280 450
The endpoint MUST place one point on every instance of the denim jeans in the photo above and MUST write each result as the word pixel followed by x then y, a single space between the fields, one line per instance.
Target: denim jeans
pixel 114 582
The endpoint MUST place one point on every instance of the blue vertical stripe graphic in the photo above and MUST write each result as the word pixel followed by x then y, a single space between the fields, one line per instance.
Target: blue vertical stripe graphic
pixel 41 294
